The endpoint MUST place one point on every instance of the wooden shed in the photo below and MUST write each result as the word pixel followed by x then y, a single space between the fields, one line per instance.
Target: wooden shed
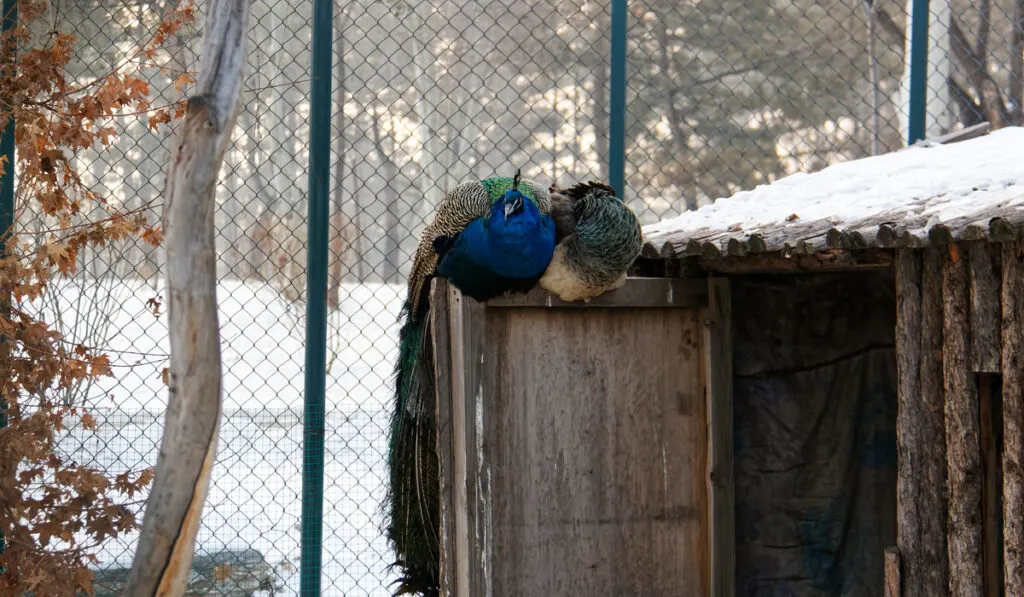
pixel 808 389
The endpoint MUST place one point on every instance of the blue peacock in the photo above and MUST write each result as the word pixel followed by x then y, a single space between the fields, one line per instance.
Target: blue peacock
pixel 488 238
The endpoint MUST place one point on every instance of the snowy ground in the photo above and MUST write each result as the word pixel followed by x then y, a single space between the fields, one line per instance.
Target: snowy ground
pixel 254 500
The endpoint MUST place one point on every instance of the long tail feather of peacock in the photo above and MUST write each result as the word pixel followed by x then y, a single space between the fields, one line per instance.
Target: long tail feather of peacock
pixel 413 518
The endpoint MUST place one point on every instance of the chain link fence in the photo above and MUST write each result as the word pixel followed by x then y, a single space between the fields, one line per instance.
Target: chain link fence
pixel 722 95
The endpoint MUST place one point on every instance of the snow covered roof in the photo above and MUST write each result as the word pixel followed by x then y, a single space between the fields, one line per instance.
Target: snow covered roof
pixel 928 193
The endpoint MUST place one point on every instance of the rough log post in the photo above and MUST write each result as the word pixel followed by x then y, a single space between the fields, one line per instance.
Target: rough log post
pixel 164 554
pixel 984 308
pixel 1013 419
pixel 963 447
pixel 921 482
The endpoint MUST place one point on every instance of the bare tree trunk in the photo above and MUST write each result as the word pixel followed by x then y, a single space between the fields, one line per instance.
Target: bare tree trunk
pixel 389 196
pixel 343 229
pixel 680 138
pixel 992 106
pixel 599 115
pixel 1017 66
pixel 163 558
pixel 876 99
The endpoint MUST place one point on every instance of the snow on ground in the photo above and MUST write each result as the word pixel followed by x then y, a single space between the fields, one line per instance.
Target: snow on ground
pixel 965 178
pixel 254 499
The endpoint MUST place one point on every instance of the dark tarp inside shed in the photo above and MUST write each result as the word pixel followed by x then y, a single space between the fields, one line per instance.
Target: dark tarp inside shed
pixel 815 433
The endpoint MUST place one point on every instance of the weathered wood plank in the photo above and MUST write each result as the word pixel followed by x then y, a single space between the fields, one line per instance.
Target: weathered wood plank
pixel 1013 417
pixel 599 477
pixel 460 499
pixel 468 334
pixel 893 582
pixel 163 557
pixel 441 336
pixel 637 292
pixel 717 361
pixel 963 449
pixel 985 308
pixel 963 134
pixel 921 479
pixel 921 503
pixel 909 415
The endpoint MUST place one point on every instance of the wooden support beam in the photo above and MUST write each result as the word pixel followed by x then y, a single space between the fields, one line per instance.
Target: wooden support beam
pixel 717 365
pixel 638 292
pixel 963 449
pixel 468 332
pixel 1013 418
pixel 920 426
pixel 985 311
pixel 441 337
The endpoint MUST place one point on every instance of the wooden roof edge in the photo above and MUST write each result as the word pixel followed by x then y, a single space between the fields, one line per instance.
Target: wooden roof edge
pixel 1004 225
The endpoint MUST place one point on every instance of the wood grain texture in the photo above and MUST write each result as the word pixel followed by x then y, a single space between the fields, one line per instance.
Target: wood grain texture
pixel 441 336
pixel 985 307
pixel 920 424
pixel 1012 292
pixel 597 467
pixel 468 330
pixel 164 553
pixel 638 292
pixel 963 449
pixel 716 364
pixel 893 581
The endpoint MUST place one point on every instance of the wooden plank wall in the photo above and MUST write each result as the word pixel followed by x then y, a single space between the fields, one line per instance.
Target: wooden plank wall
pixel 579 446
pixel 960 426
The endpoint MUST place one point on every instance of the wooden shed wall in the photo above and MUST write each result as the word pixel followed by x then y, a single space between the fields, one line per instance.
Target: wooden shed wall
pixel 582 452
pixel 961 420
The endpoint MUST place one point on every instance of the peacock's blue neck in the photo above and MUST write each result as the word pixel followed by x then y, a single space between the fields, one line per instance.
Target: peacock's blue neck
pixel 519 243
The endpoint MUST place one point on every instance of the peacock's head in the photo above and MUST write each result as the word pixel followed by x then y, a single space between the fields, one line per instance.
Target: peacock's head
pixel 512 202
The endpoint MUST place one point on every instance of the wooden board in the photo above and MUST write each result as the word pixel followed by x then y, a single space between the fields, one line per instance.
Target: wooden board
pixel 963 444
pixel 639 292
pixel 590 448
pixel 920 427
pixel 599 464
pixel 716 365
pixel 985 310
pixel 440 322
pixel 1013 417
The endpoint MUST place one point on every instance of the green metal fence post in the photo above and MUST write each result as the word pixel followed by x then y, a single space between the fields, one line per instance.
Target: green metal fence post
pixel 617 109
pixel 920 12
pixel 316 301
